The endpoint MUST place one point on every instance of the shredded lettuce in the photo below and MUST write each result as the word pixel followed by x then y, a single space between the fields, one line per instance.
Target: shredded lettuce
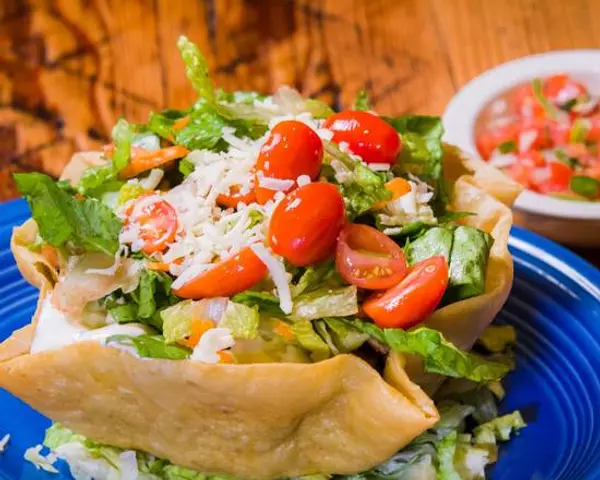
pixel 316 276
pixel 361 102
pixel 152 346
pixel 310 340
pixel 98 180
pixel 325 302
pixel 266 302
pixel 439 355
pixel 177 321
pixel 81 225
pixel 242 320
pixel 499 429
pixel 360 186
pixel 435 241
pixel 446 449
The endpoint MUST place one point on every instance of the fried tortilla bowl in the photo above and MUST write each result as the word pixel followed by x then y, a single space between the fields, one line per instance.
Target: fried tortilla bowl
pixel 255 420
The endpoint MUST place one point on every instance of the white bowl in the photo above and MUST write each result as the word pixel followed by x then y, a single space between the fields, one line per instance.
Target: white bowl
pixel 570 222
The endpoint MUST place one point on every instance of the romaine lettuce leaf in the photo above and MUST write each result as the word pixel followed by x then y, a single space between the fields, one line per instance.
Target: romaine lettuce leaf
pixel 81 225
pixel 325 302
pixel 468 263
pixel 435 241
pixel 439 355
pixel 177 321
pixel 242 320
pixel 345 339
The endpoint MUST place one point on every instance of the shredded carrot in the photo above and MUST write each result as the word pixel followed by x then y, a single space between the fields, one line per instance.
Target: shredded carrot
pixel 225 356
pixel 398 187
pixel 147 160
pixel 283 329
pixel 182 122
pixel 158 266
pixel 199 328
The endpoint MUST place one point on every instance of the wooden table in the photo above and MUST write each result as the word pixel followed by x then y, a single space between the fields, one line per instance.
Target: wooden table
pixel 70 68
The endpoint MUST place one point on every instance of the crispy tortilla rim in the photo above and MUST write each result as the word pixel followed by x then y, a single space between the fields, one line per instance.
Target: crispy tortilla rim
pixel 259 420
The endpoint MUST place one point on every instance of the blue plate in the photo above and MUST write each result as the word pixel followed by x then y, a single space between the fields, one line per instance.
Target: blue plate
pixel 554 305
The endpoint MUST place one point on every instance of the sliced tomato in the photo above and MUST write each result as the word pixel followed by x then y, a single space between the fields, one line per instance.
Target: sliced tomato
pixel 226 278
pixel 488 140
pixel 234 197
pixel 553 178
pixel 367 258
pixel 561 88
pixel 413 299
pixel 398 186
pixel 291 150
pixel 155 221
pixel 367 135
pixel 305 224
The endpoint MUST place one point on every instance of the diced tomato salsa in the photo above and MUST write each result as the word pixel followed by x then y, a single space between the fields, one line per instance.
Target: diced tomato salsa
pixel 546 135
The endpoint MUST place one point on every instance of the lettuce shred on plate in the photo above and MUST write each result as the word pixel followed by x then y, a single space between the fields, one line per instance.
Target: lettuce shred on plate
pixel 250 229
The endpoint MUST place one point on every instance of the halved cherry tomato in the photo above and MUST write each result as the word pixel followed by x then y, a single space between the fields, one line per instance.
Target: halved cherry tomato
pixel 398 186
pixel 367 258
pixel 412 300
pixel 292 149
pixel 234 197
pixel 156 221
pixel 305 224
pixel 554 177
pixel 366 134
pixel 228 277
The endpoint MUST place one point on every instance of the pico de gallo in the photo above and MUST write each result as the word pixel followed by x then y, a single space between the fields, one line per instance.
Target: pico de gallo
pixel 252 229
pixel 546 135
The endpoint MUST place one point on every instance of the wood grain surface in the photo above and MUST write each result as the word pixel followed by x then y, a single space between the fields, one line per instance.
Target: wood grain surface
pixel 70 68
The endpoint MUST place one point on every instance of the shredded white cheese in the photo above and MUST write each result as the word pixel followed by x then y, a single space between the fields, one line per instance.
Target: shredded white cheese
pixel 211 343
pixel 4 442
pixel 303 180
pixel 34 456
pixel 278 184
pixel 278 274
pixel 379 167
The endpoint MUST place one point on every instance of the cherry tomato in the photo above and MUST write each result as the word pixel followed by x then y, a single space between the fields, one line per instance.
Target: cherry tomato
pixel 366 134
pixel 226 278
pixel 412 300
pixel 305 224
pixel 367 258
pixel 156 221
pixel 553 178
pixel 234 197
pixel 291 150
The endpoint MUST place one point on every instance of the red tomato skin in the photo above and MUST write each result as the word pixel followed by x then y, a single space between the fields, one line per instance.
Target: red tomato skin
pixel 412 300
pixel 305 224
pixel 228 277
pixel 555 84
pixel 593 134
pixel 366 134
pixel 291 150
pixel 363 269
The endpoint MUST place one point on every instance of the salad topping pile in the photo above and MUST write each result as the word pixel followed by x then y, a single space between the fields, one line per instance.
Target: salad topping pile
pixel 253 229
pixel 546 135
